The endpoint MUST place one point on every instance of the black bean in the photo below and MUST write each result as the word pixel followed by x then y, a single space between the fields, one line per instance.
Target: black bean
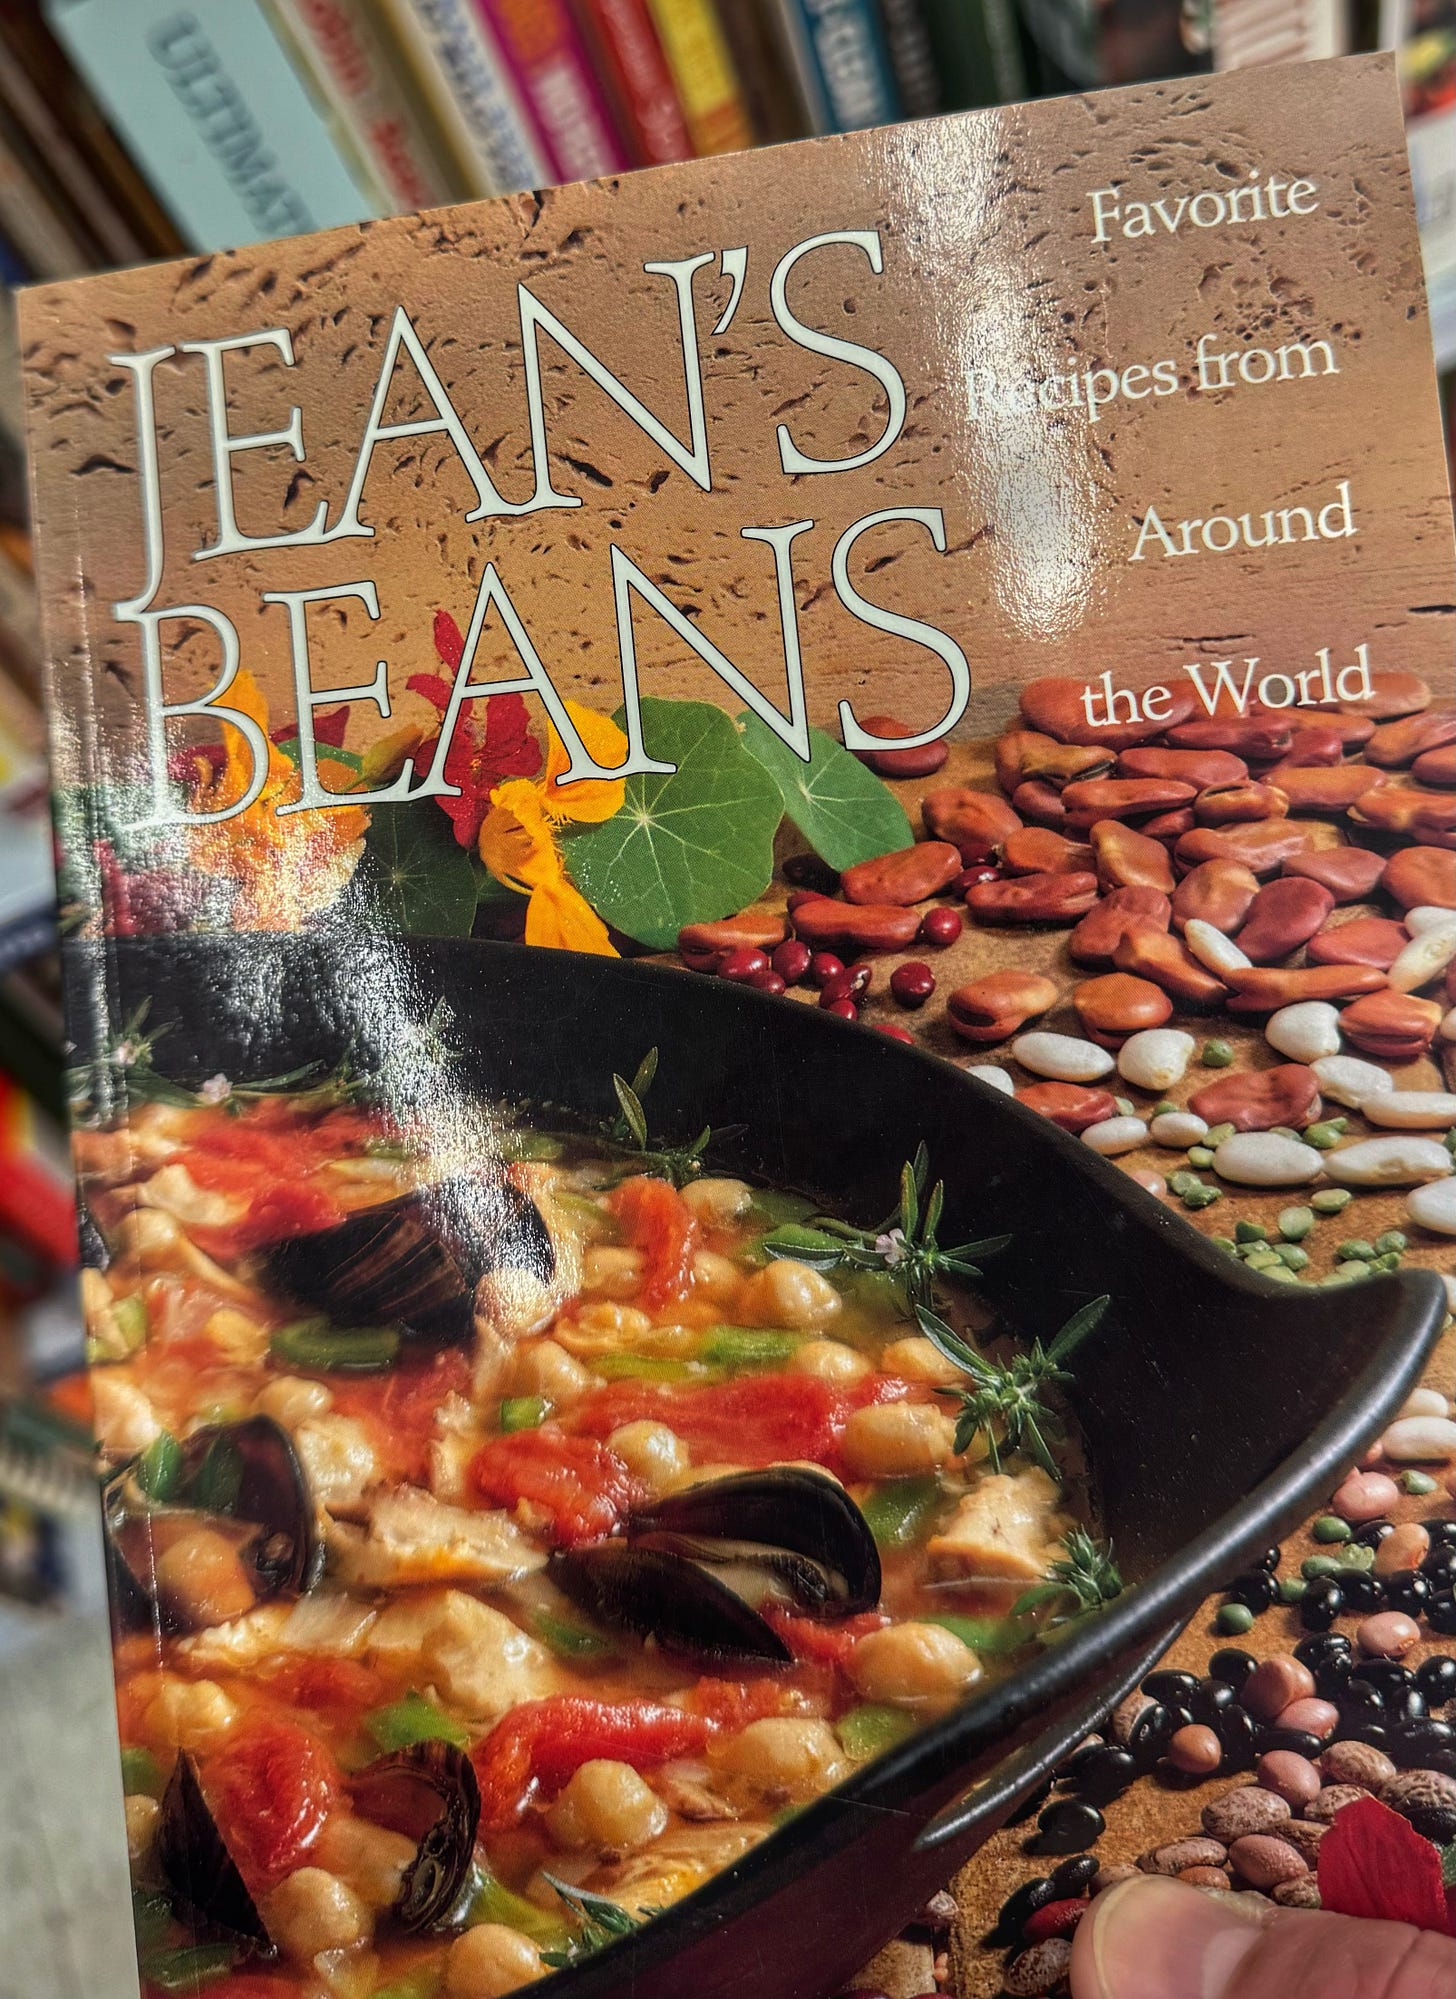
pixel 1151 1733
pixel 1410 1593
pixel 1373 1732
pixel 1442 1532
pixel 1321 1604
pixel 1256 1590
pixel 1068 1825
pixel 1360 1703
pixel 1436 1679
pixel 1105 1775
pixel 1270 1559
pixel 1441 1614
pixel 1171 1688
pixel 1238 1731
pixel 1232 1666
pixel 1415 1745
pixel 1363 1593
pixel 1386 1675
pixel 1019 1908
pixel 1439 1567
pixel 1210 1700
pixel 1370 1533
pixel 1075 1874
pixel 1323 1649
pixel 1435 1822
pixel 1300 1740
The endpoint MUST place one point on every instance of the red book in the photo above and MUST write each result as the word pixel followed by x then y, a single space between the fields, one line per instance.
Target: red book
pixel 548 64
pixel 641 82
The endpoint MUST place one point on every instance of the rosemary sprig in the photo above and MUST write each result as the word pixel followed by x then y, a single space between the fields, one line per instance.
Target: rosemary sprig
pixel 904 1245
pixel 1007 1404
pixel 1085 1579
pixel 679 1164
pixel 599 1921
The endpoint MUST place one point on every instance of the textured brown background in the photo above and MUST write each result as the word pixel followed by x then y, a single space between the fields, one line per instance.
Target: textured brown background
pixel 989 263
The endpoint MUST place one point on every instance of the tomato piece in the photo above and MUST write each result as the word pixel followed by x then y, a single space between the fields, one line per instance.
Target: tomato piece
pixel 538 1747
pixel 270 1788
pixel 400 1408
pixel 759 1419
pixel 657 1220
pixel 582 1485
pixel 339 1687
pixel 821 1644
pixel 728 1706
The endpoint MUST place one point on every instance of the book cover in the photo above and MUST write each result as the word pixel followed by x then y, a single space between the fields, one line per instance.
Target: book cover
pixel 211 108
pixel 759 866
pixel 630 53
pixel 538 41
pixel 466 84
pixel 702 67
pixel 838 49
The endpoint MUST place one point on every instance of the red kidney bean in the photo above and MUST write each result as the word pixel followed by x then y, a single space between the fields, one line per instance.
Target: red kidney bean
pixel 1033 899
pixel 1283 915
pixel 1418 875
pixel 744 962
pixel 843 1009
pixel 767 982
pixel 1129 859
pixel 1216 892
pixel 923 762
pixel 940 927
pixel 1349 873
pixel 1200 768
pixel 1239 804
pixel 1164 959
pixel 849 983
pixel 791 960
pixel 993 1007
pixel 1073 1106
pixel 976 823
pixel 969 877
pixel 1036 850
pixel 823 966
pixel 1057 707
pixel 1101 930
pixel 909 875
pixel 862 926
pixel 704 945
pixel 912 983
pixel 1365 940
pixel 1265 988
pixel 1035 799
pixel 893 1032
pixel 1258 1099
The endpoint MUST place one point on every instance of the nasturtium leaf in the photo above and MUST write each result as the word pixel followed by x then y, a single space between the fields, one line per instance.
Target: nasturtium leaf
pixel 684 848
pixel 422 882
pixel 843 810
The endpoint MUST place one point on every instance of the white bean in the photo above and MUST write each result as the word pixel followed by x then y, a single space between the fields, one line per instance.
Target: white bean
pixel 1064 1057
pixel 1427 916
pixel 1112 1135
pixel 1211 948
pixel 1414 1440
pixel 1345 1079
pixel 988 1072
pixel 1265 1159
pixel 1425 1401
pixel 1434 1206
pixel 1422 960
pixel 1156 1057
pixel 1305 1031
pixel 1397 1161
pixel 1412 1110
pixel 1178 1130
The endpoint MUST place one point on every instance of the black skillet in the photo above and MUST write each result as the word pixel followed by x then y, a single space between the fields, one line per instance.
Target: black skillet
pixel 1216 1406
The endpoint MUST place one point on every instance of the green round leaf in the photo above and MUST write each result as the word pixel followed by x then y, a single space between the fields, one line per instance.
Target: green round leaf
pixel 684 848
pixel 422 882
pixel 843 810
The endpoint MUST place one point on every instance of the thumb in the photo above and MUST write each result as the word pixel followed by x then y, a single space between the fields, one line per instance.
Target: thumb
pixel 1160 1939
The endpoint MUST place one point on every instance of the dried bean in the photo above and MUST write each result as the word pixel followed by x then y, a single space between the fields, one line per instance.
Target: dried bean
pixel 1115 1135
pixel 1436 767
pixel 1097 798
pixel 1412 1110
pixel 1415 1440
pixel 1190 1851
pixel 1284 914
pixel 1321 743
pixel 1333 790
pixel 1264 1159
pixel 1200 768
pixel 1393 691
pixel 1154 955
pixel 1395 1161
pixel 1396 745
pixel 859 926
pixel 976 823
pixel 1116 1005
pixel 911 874
pixel 1333 1799
pixel 1259 738
pixel 1015 751
pixel 705 945
pixel 1263 846
pixel 1156 1058
pixel 1073 1106
pixel 1348 1080
pixel 1064 1057
pixel 1057 707
pixel 1101 930
pixel 1241 1813
pixel 1423 960
pixel 921 762
pixel 1390 1634
pixel 1383 1023
pixel 1427 816
pixel 1264 988
pixel 1218 893
pixel 1273 1684
pixel 1036 850
pixel 1035 799
pixel 1433 1207
pixel 1212 949
pixel 997 1005
pixel 1349 873
pixel 1364 940
pixel 1239 804
pixel 1047 899
pixel 1128 859
pixel 1258 1100
pixel 1265 1862
pixel 1306 1032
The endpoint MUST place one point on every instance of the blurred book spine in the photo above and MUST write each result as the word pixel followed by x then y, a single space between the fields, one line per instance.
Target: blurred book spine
pixel 978 52
pixel 465 83
pixel 214 113
pixel 352 67
pixel 1247 34
pixel 702 68
pixel 631 56
pixel 912 55
pixel 548 60
pixel 44 241
pixel 839 52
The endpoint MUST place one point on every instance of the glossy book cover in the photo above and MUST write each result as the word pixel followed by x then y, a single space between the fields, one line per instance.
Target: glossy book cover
pixel 759 867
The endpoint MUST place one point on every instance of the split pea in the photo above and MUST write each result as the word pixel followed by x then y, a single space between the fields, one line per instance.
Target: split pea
pixel 1294 1224
pixel 1330 1200
pixel 1217 1054
pixel 1416 1483
pixel 1250 1232
pixel 1393 1241
pixel 1325 1137
pixel 1233 1620
pixel 1199 1155
pixel 1330 1527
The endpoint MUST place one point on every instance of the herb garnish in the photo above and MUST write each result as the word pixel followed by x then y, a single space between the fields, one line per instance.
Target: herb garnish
pixel 1007 1405
pixel 1086 1579
pixel 601 1922
pixel 679 1164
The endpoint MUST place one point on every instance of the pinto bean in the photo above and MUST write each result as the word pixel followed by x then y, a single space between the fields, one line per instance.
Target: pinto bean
pixel 825 923
pixel 1074 1106
pixel 1396 1025
pixel 1262 846
pixel 909 875
pixel 1037 850
pixel 1057 706
pixel 922 762
pixel 1033 899
pixel 997 1005
pixel 1437 767
pixel 1283 915
pixel 1117 1005
pixel 1129 859
pixel 1097 936
pixel 976 823
pixel 1239 804
pixel 705 945
pixel 1329 788
pixel 1216 892
pixel 1396 745
pixel 1393 692
pixel 1259 1099
pixel 1365 940
pixel 1200 768
pixel 1266 988
pixel 1124 798
pixel 1349 873
pixel 1256 738
pixel 1040 802
pixel 1166 960
pixel 1421 875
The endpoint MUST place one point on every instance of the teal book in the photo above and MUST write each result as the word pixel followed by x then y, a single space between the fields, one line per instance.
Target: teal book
pixel 839 53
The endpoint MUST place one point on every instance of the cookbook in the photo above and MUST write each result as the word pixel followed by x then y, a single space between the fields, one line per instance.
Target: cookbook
pixel 626 759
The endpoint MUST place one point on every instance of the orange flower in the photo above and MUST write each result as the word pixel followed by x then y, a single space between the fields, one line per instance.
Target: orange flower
pixel 283 871
pixel 518 836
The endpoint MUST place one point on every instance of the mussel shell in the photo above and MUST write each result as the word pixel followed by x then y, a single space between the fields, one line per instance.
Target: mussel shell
pixel 678 1603
pixel 784 1507
pixel 435 1879
pixel 195 1863
pixel 754 1571
pixel 414 1261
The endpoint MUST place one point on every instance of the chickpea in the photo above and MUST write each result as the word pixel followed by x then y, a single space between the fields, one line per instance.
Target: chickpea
pixel 786 1293
pixel 188 1714
pixel 652 1453
pixel 716 1277
pixel 916 1359
pixel 610 1271
pixel 898 1440
pixel 608 1809
pixel 369 1859
pixel 543 1367
pixel 291 1400
pixel 913 1664
pixel 831 1361
pixel 718 1202
pixel 786 1757
pixel 143 1816
pixel 489 1961
pixel 624 1325
pixel 313 1911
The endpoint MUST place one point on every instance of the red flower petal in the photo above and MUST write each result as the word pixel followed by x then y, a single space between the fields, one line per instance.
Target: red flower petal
pixel 449 643
pixel 509 748
pixel 435 690
pixel 1372 1862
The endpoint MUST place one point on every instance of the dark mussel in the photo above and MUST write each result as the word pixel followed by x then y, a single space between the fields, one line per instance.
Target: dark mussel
pixel 692 1571
pixel 196 1865
pixel 414 1262
pixel 236 1503
pixel 430 1793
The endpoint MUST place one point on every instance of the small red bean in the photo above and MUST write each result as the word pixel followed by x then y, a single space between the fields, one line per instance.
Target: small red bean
pixel 742 963
pixel 893 1033
pixel 863 974
pixel 791 960
pixel 971 877
pixel 845 1009
pixel 848 983
pixel 940 927
pixel 912 983
pixel 823 965
pixel 766 982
